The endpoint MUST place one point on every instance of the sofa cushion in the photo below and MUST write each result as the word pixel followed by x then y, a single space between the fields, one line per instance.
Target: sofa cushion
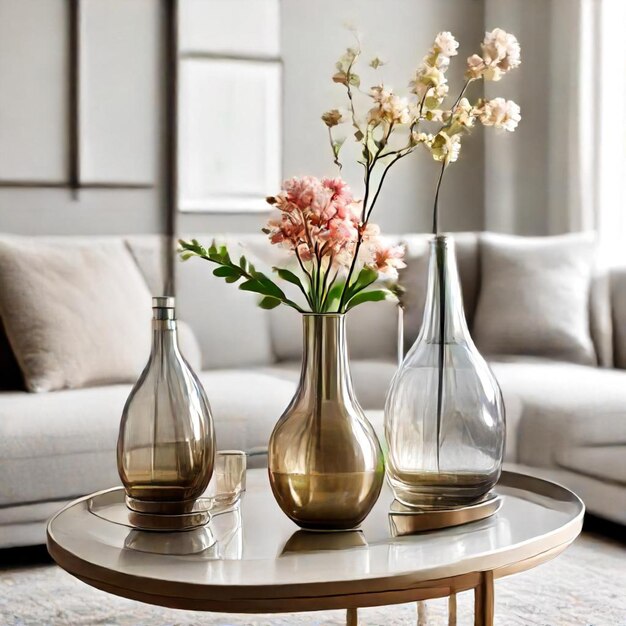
pixel 62 445
pixel 371 378
pixel 189 346
pixel 58 445
pixel 606 463
pixel 246 406
pixel 414 278
pixel 601 318
pixel 76 312
pixel 534 296
pixel 150 254
pixel 562 406
pixel 231 329
pixel 618 300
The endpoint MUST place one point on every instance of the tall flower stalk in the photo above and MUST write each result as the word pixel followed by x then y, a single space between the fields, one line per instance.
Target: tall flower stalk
pixel 342 261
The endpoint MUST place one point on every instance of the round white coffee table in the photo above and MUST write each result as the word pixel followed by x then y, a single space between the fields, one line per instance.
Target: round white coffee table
pixel 254 560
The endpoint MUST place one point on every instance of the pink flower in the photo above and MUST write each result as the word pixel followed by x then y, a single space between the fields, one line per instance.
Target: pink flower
pixel 316 219
pixel 380 255
pixel 388 259
pixel 342 194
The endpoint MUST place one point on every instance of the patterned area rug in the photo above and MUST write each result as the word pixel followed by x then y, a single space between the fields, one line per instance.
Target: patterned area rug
pixel 585 586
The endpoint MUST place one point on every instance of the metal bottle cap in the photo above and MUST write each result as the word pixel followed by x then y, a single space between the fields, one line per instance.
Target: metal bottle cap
pixel 163 302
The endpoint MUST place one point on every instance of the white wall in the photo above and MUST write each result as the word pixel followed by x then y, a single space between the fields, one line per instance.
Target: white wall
pixel 517 165
pixel 121 120
pixel 399 32
pixel 312 37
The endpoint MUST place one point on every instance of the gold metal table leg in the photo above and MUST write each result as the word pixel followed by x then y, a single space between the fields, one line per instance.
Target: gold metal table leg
pixel 352 617
pixel 422 614
pixel 452 609
pixel 484 601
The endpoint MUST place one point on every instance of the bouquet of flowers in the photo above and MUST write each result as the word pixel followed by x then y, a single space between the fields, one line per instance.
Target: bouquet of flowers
pixel 342 260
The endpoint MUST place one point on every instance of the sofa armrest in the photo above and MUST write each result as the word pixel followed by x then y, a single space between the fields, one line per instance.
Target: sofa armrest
pixel 618 312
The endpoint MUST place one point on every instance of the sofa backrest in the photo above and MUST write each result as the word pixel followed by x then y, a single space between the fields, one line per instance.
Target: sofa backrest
pixel 233 332
pixel 617 278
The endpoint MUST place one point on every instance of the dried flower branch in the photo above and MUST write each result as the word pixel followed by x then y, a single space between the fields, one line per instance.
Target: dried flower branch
pixel 339 251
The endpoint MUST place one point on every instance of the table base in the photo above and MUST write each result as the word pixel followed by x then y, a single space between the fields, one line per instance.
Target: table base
pixel 483 606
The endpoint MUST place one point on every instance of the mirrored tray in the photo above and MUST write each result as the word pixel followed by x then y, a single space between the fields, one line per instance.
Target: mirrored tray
pixel 111 506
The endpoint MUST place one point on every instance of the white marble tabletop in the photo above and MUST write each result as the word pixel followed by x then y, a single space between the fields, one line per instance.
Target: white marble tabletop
pixel 255 558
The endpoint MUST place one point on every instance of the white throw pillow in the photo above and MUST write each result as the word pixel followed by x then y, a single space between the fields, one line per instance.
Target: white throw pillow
pixel 75 313
pixel 534 297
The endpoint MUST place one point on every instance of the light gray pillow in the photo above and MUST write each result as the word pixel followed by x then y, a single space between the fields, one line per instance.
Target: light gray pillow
pixel 75 313
pixel 534 297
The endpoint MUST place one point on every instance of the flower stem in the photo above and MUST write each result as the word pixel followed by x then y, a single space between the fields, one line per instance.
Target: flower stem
pixel 436 206
pixel 441 271
pixel 364 224
pixel 467 83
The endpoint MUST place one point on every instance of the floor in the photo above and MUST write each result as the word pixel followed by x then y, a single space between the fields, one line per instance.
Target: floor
pixel 585 586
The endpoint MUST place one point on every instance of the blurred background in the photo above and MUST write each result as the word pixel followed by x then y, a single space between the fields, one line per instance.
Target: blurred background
pixel 114 114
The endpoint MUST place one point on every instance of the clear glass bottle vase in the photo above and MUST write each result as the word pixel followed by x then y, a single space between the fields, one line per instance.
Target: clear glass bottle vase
pixel 326 466
pixel 166 443
pixel 444 415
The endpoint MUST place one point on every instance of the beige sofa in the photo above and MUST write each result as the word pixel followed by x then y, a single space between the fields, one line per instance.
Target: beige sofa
pixel 564 421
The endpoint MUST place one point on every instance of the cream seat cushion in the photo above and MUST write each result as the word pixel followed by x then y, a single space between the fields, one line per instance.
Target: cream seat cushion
pixel 560 407
pixel 62 445
pixel 76 313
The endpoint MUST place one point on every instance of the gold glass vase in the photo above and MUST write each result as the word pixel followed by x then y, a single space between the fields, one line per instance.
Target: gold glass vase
pixel 326 466
pixel 166 444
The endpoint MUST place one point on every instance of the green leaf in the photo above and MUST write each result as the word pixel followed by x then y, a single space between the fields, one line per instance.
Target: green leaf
pixel 271 288
pixel 369 296
pixel 223 254
pixel 252 285
pixel 337 144
pixel 226 272
pixel 185 256
pixel 288 276
pixel 264 286
pixel 334 295
pixel 232 279
pixel 269 303
pixel 366 277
